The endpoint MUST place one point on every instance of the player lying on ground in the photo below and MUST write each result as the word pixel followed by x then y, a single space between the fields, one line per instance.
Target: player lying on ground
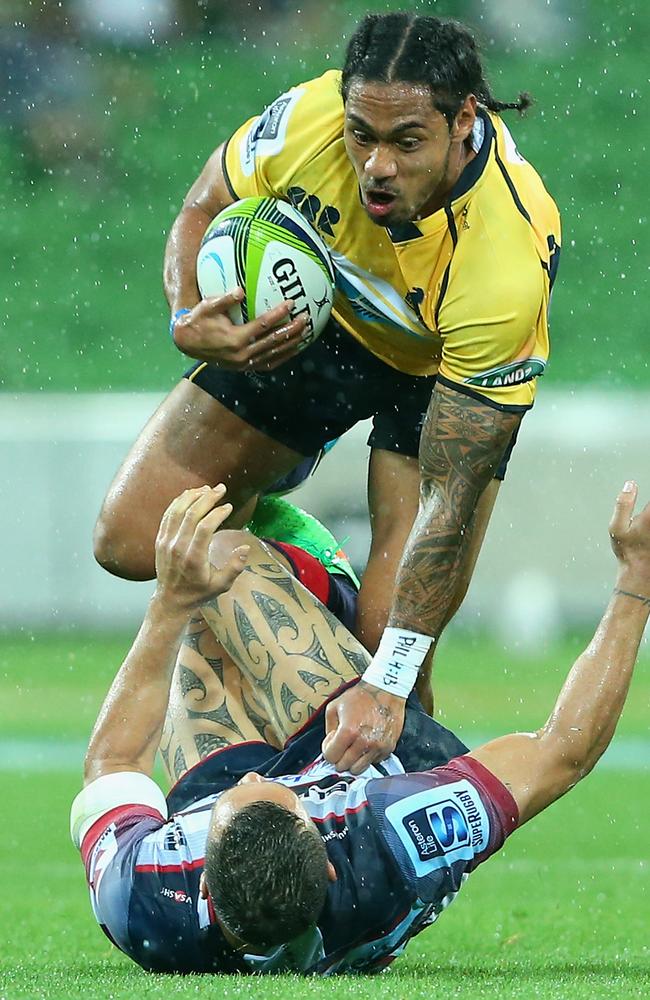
pixel 311 870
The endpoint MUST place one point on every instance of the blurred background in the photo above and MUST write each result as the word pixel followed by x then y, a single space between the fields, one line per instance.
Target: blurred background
pixel 108 109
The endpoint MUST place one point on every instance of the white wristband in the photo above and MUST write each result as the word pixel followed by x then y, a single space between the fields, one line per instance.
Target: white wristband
pixel 396 664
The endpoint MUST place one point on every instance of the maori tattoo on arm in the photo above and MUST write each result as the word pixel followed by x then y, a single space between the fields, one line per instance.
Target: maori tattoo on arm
pixel 463 441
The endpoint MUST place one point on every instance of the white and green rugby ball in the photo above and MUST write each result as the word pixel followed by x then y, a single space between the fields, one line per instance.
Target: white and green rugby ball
pixel 267 248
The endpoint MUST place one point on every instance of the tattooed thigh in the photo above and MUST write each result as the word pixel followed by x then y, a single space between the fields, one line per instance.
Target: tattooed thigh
pixel 211 704
pixel 290 648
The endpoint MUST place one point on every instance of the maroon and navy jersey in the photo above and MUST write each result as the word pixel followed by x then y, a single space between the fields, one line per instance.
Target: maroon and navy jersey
pixel 402 846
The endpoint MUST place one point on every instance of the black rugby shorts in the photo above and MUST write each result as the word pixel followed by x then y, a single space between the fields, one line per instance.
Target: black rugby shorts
pixel 323 392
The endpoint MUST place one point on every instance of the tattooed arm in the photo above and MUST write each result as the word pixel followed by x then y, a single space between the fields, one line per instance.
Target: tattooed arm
pixel 463 441
pixel 128 729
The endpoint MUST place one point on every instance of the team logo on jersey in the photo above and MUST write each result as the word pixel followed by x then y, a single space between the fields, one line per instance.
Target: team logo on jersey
pixel 436 830
pixel 440 826
pixel 514 373
pixel 323 218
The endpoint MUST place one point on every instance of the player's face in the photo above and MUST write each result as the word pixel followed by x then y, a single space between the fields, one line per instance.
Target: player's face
pixel 403 152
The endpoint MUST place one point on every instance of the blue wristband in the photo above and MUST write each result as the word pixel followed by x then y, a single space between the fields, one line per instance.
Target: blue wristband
pixel 177 315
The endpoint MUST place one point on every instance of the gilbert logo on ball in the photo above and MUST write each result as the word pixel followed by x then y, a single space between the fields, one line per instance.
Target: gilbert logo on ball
pixel 269 249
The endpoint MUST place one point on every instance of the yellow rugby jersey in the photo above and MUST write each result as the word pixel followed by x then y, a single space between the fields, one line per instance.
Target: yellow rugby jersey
pixel 463 292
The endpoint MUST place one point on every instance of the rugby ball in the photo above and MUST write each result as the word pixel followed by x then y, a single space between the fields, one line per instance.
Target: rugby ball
pixel 269 249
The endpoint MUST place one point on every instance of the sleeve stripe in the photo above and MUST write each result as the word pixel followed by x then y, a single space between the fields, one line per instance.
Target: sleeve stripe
pixel 497 791
pixel 466 391
pixel 102 824
pixel 184 866
pixel 224 170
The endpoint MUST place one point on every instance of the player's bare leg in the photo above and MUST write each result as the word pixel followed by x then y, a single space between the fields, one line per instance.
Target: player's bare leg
pixel 393 495
pixel 189 441
pixel 211 705
pixel 291 648
pixel 257 664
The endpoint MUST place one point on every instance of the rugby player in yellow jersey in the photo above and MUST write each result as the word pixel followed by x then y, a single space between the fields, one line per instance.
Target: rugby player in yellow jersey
pixel 445 243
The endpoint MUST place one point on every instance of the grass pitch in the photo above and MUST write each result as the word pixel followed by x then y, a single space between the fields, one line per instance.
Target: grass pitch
pixel 562 912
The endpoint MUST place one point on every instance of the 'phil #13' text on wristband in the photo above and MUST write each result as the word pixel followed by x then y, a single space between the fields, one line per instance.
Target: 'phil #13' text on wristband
pixel 395 665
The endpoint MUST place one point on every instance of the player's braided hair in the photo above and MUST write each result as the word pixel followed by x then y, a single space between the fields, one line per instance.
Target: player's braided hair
pixel 419 49
pixel 267 874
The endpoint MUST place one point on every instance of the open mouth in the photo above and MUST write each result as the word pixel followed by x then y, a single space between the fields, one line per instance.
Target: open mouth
pixel 379 202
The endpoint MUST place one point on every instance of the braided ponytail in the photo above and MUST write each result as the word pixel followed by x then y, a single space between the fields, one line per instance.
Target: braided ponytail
pixel 523 102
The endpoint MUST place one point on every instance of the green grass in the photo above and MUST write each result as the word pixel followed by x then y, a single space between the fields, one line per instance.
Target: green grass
pixel 562 912
pixel 51 685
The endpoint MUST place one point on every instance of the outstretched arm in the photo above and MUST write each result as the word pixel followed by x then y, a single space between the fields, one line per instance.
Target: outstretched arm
pixel 128 729
pixel 540 767
pixel 463 441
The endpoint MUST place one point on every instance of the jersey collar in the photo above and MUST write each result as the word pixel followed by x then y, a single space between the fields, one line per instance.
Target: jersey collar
pixel 475 168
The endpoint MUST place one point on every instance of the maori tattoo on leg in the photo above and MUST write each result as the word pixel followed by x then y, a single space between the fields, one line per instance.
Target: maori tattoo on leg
pixel 180 767
pixel 274 613
pixel 463 441
pixel 255 665
pixel 358 659
pixel 211 706
pixel 290 649
pixel 190 682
